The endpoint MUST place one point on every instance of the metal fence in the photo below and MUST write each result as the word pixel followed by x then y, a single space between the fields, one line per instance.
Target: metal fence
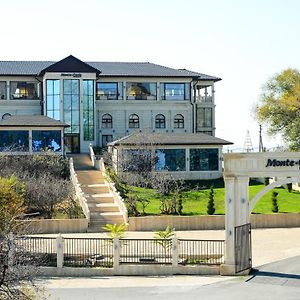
pixel 38 250
pixel 100 252
pixel 201 252
pixel 145 251
pixel 88 252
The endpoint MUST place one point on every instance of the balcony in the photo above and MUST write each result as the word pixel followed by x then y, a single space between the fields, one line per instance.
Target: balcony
pixel 204 99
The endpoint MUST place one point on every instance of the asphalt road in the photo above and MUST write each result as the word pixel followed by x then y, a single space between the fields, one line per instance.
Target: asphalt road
pixel 278 280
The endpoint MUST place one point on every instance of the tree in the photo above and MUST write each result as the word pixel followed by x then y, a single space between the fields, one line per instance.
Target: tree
pixel 211 202
pixel 16 271
pixel 275 207
pixel 279 106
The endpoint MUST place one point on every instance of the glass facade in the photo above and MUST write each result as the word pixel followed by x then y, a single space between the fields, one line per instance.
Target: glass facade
pixel 71 105
pixel 23 90
pixel 175 91
pixel 170 160
pixel 53 99
pixel 3 94
pixel 88 110
pixel 204 117
pixel 46 140
pixel 204 159
pixel 109 90
pixel 141 91
pixel 14 140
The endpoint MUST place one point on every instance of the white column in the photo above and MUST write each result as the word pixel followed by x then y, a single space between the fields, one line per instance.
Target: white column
pixel 60 251
pixel 174 252
pixel 116 253
pixel 229 220
pixel 236 214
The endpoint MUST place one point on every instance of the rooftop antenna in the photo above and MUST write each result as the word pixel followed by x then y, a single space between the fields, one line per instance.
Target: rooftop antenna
pixel 261 145
pixel 248 143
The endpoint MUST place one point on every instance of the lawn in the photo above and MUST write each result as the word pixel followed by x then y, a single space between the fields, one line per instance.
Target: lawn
pixel 195 200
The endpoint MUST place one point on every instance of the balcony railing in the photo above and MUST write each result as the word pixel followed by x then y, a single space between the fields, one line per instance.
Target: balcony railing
pixel 204 99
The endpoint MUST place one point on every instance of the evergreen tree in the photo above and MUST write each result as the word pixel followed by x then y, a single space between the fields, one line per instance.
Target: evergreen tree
pixel 275 208
pixel 211 202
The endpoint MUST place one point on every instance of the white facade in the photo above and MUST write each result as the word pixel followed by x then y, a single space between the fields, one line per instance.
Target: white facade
pixel 194 104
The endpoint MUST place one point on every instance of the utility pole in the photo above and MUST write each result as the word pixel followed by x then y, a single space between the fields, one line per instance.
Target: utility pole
pixel 261 146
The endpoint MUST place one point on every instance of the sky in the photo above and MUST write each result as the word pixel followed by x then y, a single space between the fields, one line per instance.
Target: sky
pixel 243 42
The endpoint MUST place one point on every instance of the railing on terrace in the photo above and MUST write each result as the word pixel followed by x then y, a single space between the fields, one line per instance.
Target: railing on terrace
pixel 145 251
pixel 88 252
pixel 201 252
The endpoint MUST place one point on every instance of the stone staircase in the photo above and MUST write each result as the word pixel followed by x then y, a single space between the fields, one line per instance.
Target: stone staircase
pixel 100 199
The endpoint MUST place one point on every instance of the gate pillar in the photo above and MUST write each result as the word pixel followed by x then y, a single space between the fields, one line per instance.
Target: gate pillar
pixel 236 214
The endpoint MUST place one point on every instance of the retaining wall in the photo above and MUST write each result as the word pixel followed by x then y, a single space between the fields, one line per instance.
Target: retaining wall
pixel 57 225
pixel 150 223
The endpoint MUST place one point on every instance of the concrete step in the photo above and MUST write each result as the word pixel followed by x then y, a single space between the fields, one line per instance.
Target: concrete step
pixel 90 177
pixel 103 207
pixel 101 188
pixel 101 198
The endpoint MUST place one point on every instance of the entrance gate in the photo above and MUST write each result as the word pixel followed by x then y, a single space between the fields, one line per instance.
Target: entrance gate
pixel 238 169
pixel 243 251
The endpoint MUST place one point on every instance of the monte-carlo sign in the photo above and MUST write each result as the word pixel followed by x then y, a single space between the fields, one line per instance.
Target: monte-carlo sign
pixel 283 163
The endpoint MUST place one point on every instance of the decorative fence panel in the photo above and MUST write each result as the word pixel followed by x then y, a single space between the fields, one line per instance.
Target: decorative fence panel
pixel 201 252
pixel 88 252
pixel 145 251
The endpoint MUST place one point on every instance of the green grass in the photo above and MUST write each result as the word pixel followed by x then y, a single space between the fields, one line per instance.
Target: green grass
pixel 195 201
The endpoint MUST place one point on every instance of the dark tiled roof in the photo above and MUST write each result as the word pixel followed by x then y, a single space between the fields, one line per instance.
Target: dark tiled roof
pixel 131 69
pixel 34 121
pixel 142 138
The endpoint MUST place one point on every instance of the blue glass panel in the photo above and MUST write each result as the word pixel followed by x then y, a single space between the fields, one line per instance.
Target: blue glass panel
pixel 170 159
pixel 56 87
pixel 56 115
pixel 46 140
pixel 67 86
pixel 14 140
pixel 49 103
pixel 67 102
pixel 204 159
pixel 49 87
pixel 56 100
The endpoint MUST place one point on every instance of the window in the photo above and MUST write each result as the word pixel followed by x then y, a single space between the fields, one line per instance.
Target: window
pixel 141 91
pixel 106 139
pixel 204 117
pixel 107 121
pixel 3 90
pixel 46 140
pixel 109 90
pixel 53 99
pixel 71 105
pixel 204 159
pixel 14 140
pixel 160 121
pixel 170 160
pixel 88 110
pixel 23 90
pixel 134 121
pixel 179 121
pixel 175 91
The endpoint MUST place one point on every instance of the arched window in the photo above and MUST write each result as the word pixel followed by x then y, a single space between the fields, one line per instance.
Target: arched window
pixel 107 121
pixel 178 121
pixel 160 121
pixel 134 121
